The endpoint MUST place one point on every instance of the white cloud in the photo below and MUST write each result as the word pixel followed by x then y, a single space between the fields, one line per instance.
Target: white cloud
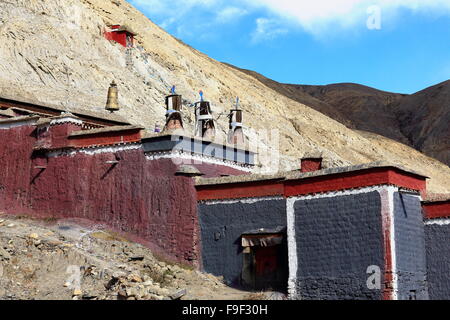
pixel 313 16
pixel 267 29
pixel 230 14
pixel 316 16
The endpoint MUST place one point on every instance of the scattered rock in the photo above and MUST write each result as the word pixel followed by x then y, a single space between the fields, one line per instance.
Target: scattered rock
pixel 39 271
pixel 178 295
pixel 33 236
pixel 134 278
pixel 137 258
pixel 77 292
pixel 5 254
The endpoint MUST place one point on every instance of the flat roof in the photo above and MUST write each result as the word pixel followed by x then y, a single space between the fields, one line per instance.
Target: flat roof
pixel 297 175
pixel 36 107
pixel 8 113
pixel 20 119
pixel 435 198
pixel 104 130
pixel 149 136
pixel 123 28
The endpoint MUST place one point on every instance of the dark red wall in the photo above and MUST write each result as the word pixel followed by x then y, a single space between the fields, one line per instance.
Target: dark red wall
pixel 137 196
pixel 15 168
pixel 55 136
pixel 309 165
pixel 142 198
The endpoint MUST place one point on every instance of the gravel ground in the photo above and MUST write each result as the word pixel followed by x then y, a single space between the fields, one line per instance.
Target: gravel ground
pixel 60 260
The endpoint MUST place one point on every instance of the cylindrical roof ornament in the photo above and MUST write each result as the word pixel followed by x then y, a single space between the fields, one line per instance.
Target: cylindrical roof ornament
pixel 205 126
pixel 236 133
pixel 174 103
pixel 112 103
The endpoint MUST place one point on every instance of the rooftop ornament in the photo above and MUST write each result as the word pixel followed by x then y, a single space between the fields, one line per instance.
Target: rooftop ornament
pixel 174 103
pixel 236 134
pixel 205 126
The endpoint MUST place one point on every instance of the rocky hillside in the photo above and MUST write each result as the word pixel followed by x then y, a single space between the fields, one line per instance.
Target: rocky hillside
pixel 420 120
pixel 54 52
pixel 63 260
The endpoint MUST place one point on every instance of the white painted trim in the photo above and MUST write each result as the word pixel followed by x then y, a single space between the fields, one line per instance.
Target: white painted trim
pixel 438 222
pixel 174 155
pixel 348 192
pixel 94 150
pixel 391 190
pixel 292 248
pixel 244 200
pixel 11 125
pixel 66 120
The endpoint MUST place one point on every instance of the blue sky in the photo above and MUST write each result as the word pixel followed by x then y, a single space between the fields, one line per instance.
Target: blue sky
pixel 393 45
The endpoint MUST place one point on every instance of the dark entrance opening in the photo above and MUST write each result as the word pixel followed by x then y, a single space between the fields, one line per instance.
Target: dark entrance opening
pixel 265 265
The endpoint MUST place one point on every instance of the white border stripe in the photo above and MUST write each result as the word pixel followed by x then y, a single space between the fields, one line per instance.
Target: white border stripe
pixel 391 191
pixel 200 158
pixel 66 120
pixel 94 151
pixel 292 248
pixel 244 200
pixel 438 222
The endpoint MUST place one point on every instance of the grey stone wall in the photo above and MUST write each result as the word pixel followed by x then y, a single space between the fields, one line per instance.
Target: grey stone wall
pixel 438 261
pixel 337 240
pixel 223 224
pixel 410 247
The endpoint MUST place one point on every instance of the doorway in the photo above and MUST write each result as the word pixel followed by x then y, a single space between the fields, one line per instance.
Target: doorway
pixel 265 261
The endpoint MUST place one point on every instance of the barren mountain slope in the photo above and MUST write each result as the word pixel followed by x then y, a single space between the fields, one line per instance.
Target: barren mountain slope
pixel 425 119
pixel 53 52
pixel 420 120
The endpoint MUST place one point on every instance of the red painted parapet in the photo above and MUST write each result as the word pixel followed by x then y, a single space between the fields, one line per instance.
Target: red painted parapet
pixel 435 210
pixel 66 131
pixel 408 180
pixel 239 191
pixel 291 186
pixel 103 137
pixel 355 179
